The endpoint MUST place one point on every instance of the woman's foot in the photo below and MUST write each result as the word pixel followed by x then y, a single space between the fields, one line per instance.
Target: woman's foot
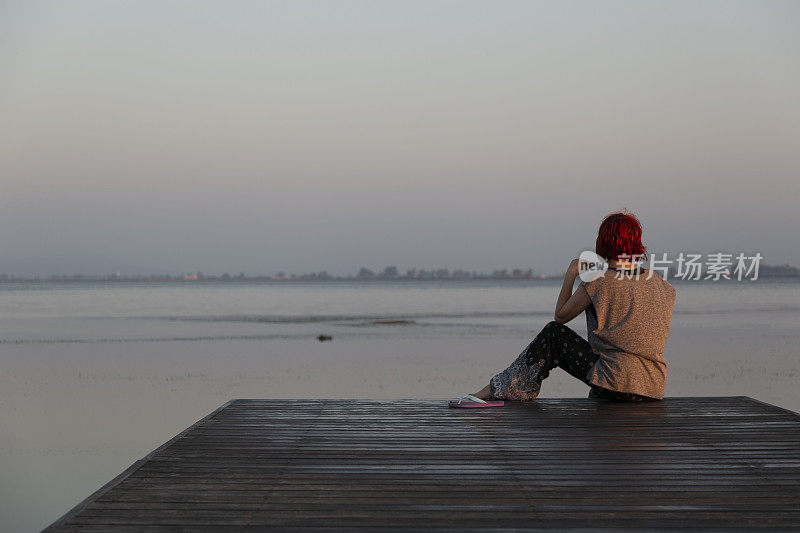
pixel 484 394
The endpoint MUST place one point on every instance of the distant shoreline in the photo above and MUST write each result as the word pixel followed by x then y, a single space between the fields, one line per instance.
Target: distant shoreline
pixel 364 275
pixel 269 280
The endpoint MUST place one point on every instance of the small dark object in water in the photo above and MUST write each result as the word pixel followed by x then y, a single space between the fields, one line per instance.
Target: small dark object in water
pixel 323 338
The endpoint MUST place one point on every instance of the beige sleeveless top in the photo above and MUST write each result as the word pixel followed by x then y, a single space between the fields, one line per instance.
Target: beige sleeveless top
pixel 628 325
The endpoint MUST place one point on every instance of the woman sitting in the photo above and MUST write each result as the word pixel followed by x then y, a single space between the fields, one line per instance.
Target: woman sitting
pixel 628 312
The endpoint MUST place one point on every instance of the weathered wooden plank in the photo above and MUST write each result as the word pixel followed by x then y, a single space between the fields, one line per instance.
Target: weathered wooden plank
pixel 563 463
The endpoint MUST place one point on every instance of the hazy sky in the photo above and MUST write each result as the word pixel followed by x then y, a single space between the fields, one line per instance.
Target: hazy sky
pixel 265 136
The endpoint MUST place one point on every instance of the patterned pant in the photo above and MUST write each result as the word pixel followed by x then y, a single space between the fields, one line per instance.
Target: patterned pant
pixel 555 346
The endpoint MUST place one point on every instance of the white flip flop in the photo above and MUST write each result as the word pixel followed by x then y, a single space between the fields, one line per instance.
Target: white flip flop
pixel 468 401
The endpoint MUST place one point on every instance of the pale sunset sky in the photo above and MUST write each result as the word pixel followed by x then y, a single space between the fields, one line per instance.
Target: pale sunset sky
pixel 163 136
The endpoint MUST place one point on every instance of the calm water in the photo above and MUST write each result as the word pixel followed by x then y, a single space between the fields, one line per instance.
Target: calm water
pixel 94 376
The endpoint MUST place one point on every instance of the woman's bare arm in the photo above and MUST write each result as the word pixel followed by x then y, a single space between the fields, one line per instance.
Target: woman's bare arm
pixel 569 304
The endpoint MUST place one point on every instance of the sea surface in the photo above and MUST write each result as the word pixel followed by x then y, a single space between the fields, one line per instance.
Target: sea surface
pixel 93 376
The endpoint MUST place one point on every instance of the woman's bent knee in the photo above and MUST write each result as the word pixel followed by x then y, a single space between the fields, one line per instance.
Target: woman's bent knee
pixel 550 327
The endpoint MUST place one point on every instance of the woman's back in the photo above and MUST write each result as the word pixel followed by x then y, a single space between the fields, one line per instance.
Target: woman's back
pixel 628 324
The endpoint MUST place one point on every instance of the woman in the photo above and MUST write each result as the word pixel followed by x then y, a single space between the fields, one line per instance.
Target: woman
pixel 628 312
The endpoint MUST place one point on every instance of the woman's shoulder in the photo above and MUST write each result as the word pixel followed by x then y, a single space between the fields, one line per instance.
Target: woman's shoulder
pixel 660 280
pixel 614 278
pixel 597 283
pixel 656 284
pixel 614 286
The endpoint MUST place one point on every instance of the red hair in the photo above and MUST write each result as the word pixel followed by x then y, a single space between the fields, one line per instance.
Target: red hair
pixel 620 234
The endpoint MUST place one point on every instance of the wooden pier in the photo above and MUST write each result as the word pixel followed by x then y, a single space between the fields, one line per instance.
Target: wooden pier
pixel 717 463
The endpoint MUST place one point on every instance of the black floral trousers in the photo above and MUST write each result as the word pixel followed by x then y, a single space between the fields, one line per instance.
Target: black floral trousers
pixel 555 346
